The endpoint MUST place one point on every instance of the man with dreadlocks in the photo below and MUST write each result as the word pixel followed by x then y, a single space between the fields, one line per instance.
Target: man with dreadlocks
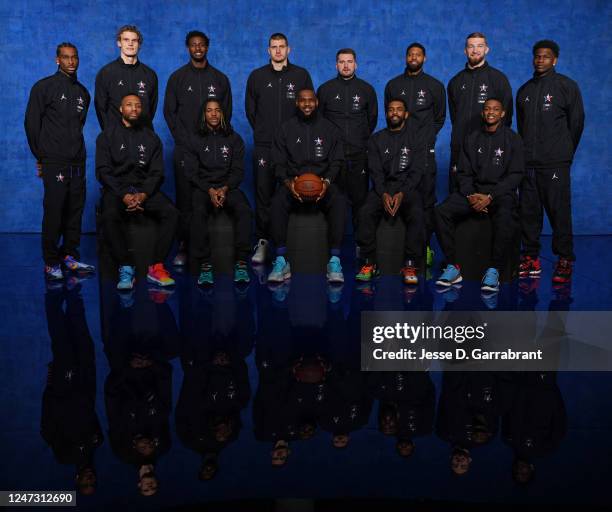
pixel 216 168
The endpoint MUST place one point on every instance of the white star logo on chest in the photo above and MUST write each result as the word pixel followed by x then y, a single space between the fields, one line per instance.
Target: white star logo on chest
pixel 211 89
pixel 298 141
pixel 80 100
pixel 189 89
pixel 122 147
pixel 120 82
pixel 356 98
pixel 224 150
pixel 421 93
pixel 141 148
pixel 63 97
pixel 141 85
pixel 318 141
pixel 483 88
pixel 262 162
pixel 337 97
pixel 269 84
pixel 548 98
pixel 290 86
pixel 480 150
pixel 60 177
pixel 405 150
pixel 499 152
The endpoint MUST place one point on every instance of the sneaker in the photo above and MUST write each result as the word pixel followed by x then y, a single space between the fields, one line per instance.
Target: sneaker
pixel 450 293
pixel 450 276
pixel 206 274
pixel 489 298
pixel 53 272
pixel 490 281
pixel 367 272
pixel 334 293
pixel 241 272
pixel 334 270
pixel 77 266
pixel 430 256
pixel 157 274
pixel 409 272
pixel 563 271
pixel 366 288
pixel 180 260
pixel 280 292
pixel 159 295
pixel 281 270
pixel 126 277
pixel 126 299
pixel 261 252
pixel 529 267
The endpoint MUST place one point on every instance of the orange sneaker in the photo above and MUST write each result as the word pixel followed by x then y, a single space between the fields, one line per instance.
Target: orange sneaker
pixel 158 275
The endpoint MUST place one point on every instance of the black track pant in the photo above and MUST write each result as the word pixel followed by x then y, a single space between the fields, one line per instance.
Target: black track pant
pixel 427 189
pixel 184 193
pixel 353 180
pixel 453 181
pixel 333 205
pixel 547 189
pixel 115 218
pixel 411 212
pixel 237 205
pixel 265 185
pixel 503 214
pixel 63 205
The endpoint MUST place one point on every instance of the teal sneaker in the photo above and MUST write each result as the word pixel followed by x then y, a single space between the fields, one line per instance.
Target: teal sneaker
pixel 241 272
pixel 126 277
pixel 450 276
pixel 334 271
pixel 206 274
pixel 281 270
pixel 490 281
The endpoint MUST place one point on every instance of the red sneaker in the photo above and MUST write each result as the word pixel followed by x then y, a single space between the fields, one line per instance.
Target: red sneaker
pixel 157 274
pixel 409 272
pixel 529 267
pixel 563 271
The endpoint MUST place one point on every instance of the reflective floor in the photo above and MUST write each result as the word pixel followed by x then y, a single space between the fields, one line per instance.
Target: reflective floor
pixel 246 398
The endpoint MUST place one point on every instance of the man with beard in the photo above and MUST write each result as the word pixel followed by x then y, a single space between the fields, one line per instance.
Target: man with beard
pixel 54 121
pixel 396 158
pixel 270 101
pixel 467 92
pixel 307 143
pixel 490 169
pixel 130 167
pixel 426 100
pixel 123 75
pixel 550 118
pixel 215 159
pixel 350 103
pixel 187 90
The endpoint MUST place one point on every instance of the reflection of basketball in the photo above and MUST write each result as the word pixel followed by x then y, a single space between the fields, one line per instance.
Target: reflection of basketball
pixel 308 186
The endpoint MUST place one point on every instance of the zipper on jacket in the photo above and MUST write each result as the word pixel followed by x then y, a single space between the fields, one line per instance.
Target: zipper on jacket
pixel 535 118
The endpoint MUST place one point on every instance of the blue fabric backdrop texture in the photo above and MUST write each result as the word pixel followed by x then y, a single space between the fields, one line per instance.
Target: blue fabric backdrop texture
pixel 239 30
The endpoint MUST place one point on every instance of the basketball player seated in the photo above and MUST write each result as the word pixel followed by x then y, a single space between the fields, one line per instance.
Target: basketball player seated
pixel 214 164
pixel 307 144
pixel 489 170
pixel 396 159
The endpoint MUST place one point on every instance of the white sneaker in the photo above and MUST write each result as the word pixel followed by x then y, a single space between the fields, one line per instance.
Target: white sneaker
pixel 261 251
pixel 281 270
pixel 334 270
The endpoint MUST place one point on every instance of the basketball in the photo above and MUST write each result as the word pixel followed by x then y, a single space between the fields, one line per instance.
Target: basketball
pixel 308 186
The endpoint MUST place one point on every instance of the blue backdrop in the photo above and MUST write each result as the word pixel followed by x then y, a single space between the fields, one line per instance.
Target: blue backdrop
pixel 378 31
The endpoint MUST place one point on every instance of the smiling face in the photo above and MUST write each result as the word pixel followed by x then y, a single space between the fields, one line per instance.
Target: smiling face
pixel 307 102
pixel 197 48
pixel 476 50
pixel 493 112
pixel 68 60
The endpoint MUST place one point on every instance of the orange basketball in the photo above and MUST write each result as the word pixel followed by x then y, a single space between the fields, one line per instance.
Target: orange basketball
pixel 308 186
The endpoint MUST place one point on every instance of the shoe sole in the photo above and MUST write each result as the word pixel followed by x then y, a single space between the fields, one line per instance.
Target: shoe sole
pixel 487 288
pixel 411 282
pixel 158 282
pixel 281 280
pixel 561 280
pixel 448 284
pixel 337 280
pixel 207 283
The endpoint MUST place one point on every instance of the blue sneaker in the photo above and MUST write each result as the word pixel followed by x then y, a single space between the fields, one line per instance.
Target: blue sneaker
pixel 281 270
pixel 490 281
pixel 77 266
pixel 450 276
pixel 334 293
pixel 490 299
pixel 280 292
pixel 53 272
pixel 206 274
pixel 126 277
pixel 334 270
pixel 241 272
